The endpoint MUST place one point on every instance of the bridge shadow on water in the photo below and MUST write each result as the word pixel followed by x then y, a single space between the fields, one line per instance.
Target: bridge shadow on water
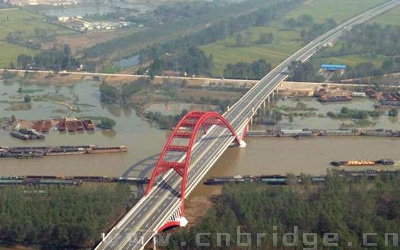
pixel 143 169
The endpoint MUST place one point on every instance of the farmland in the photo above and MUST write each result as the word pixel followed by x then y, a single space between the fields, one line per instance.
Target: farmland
pixel 12 20
pixel 288 41
pixel 390 18
pixel 224 52
pixel 340 10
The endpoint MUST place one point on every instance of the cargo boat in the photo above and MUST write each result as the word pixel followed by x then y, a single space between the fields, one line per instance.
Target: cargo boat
pixel 70 126
pixel 30 155
pixel 99 150
pixel 19 135
pixel 78 125
pixel 88 124
pixel 65 151
pixel 61 126
pixel 38 126
pixel 384 162
pixel 228 179
pixel 32 133
pixel 46 126
pixel 335 98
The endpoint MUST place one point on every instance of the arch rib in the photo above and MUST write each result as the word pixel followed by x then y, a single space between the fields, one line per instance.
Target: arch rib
pixel 192 121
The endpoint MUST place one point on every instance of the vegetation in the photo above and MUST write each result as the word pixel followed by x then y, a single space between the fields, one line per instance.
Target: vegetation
pixel 390 17
pixel 243 70
pixel 316 30
pixel 31 40
pixel 55 59
pixel 27 98
pixel 59 217
pixel 193 32
pixel 106 123
pixel 322 209
pixel 354 114
pixel 364 47
pixel 287 40
pixel 192 61
pixel 121 95
pixel 340 10
pixel 165 121
pixel 304 72
pixel 13 21
pixel 393 112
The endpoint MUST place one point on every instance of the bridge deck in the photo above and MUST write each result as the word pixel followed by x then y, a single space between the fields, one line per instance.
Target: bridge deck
pixel 152 211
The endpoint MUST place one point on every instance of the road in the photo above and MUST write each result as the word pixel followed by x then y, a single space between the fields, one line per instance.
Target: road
pixel 152 211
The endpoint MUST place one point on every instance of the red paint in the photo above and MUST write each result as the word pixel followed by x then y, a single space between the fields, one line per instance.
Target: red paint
pixel 193 120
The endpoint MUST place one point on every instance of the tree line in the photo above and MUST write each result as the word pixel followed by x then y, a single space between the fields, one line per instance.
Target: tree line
pixel 371 41
pixel 120 95
pixel 348 208
pixel 55 59
pixel 216 32
pixel 242 70
pixel 31 40
pixel 192 61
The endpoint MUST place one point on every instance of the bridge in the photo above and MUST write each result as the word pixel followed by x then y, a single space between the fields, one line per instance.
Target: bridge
pixel 197 142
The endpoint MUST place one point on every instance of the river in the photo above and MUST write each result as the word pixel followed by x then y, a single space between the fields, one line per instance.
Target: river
pixel 144 142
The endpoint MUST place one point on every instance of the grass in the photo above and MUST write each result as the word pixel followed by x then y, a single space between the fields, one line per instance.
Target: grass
pixel 9 53
pixel 285 43
pixel 350 60
pixel 288 41
pixel 389 18
pixel 19 20
pixel 340 10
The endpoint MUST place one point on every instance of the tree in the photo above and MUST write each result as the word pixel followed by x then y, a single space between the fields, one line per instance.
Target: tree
pixel 239 40
pixel 27 98
pixel 106 123
pixel 266 38
pixel 344 110
pixel 393 112
pixel 23 60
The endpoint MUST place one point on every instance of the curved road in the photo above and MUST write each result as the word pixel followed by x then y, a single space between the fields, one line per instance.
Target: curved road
pixel 142 222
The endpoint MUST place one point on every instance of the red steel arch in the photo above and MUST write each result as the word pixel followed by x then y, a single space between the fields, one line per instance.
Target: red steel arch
pixel 192 121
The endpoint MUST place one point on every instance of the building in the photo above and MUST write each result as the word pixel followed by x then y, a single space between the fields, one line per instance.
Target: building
pixel 333 67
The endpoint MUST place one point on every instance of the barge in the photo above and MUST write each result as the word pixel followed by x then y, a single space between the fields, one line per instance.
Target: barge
pixel 99 150
pixel 66 151
pixel 19 135
pixel 384 162
pixel 61 126
pixel 88 124
pixel 40 151
pixel 343 98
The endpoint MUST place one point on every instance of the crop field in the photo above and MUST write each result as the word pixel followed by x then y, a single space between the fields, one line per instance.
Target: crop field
pixel 340 10
pixel 349 60
pixel 389 18
pixel 287 42
pixel 9 53
pixel 19 20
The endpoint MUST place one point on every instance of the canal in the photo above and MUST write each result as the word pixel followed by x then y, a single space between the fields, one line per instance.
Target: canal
pixel 144 142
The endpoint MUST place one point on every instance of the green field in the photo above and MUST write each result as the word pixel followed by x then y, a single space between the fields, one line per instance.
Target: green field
pixel 286 42
pixel 9 53
pixel 349 60
pixel 389 18
pixel 340 10
pixel 224 52
pixel 19 20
